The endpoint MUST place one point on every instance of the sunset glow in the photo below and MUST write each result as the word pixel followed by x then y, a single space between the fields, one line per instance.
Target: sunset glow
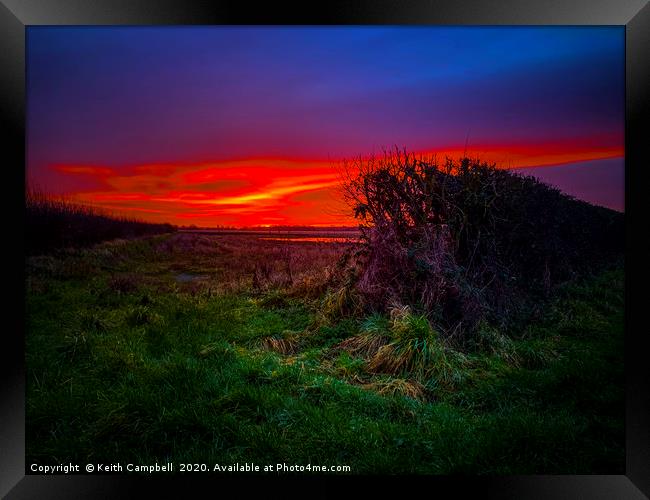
pixel 247 126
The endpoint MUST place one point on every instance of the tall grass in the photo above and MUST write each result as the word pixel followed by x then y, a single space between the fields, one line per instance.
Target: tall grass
pixel 56 222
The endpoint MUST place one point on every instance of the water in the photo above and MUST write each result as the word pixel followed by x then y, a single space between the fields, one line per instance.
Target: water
pixel 319 239
pixel 188 278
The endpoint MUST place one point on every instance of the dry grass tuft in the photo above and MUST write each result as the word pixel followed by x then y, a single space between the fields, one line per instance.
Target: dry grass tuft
pixel 398 312
pixel 343 301
pixel 365 345
pixel 282 346
pixel 397 386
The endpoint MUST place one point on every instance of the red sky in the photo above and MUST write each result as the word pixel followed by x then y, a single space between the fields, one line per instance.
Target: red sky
pixel 246 125
pixel 266 191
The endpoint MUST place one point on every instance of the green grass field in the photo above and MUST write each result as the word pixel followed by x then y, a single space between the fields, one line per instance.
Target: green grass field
pixel 160 349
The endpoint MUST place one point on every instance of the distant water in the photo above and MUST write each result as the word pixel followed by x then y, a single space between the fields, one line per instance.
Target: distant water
pixel 187 278
pixel 321 239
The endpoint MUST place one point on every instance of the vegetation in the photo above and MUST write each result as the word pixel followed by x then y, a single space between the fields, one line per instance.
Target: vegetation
pixel 161 349
pixel 464 242
pixel 477 327
pixel 52 223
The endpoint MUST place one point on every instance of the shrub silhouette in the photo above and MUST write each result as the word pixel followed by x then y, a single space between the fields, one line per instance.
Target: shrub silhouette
pixel 53 223
pixel 465 241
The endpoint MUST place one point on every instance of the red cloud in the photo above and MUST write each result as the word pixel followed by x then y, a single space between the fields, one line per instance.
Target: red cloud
pixel 275 190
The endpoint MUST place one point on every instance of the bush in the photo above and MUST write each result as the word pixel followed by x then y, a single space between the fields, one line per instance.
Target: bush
pixel 464 241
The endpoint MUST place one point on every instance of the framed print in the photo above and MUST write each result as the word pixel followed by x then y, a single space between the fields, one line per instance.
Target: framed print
pixel 381 243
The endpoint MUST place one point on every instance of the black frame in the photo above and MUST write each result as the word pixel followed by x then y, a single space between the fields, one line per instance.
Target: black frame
pixel 16 15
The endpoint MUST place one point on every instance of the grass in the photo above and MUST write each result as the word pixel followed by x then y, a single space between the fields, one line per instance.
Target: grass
pixel 56 222
pixel 125 363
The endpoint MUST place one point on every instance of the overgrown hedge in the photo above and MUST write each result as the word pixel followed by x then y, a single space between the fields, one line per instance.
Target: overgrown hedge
pixel 465 241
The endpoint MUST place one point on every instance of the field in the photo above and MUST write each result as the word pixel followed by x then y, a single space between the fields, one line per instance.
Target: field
pixel 224 348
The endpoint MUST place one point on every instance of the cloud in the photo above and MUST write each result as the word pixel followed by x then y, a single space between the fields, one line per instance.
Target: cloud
pixel 280 190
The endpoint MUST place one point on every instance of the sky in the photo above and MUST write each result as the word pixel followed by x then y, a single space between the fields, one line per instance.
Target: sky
pixel 244 126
